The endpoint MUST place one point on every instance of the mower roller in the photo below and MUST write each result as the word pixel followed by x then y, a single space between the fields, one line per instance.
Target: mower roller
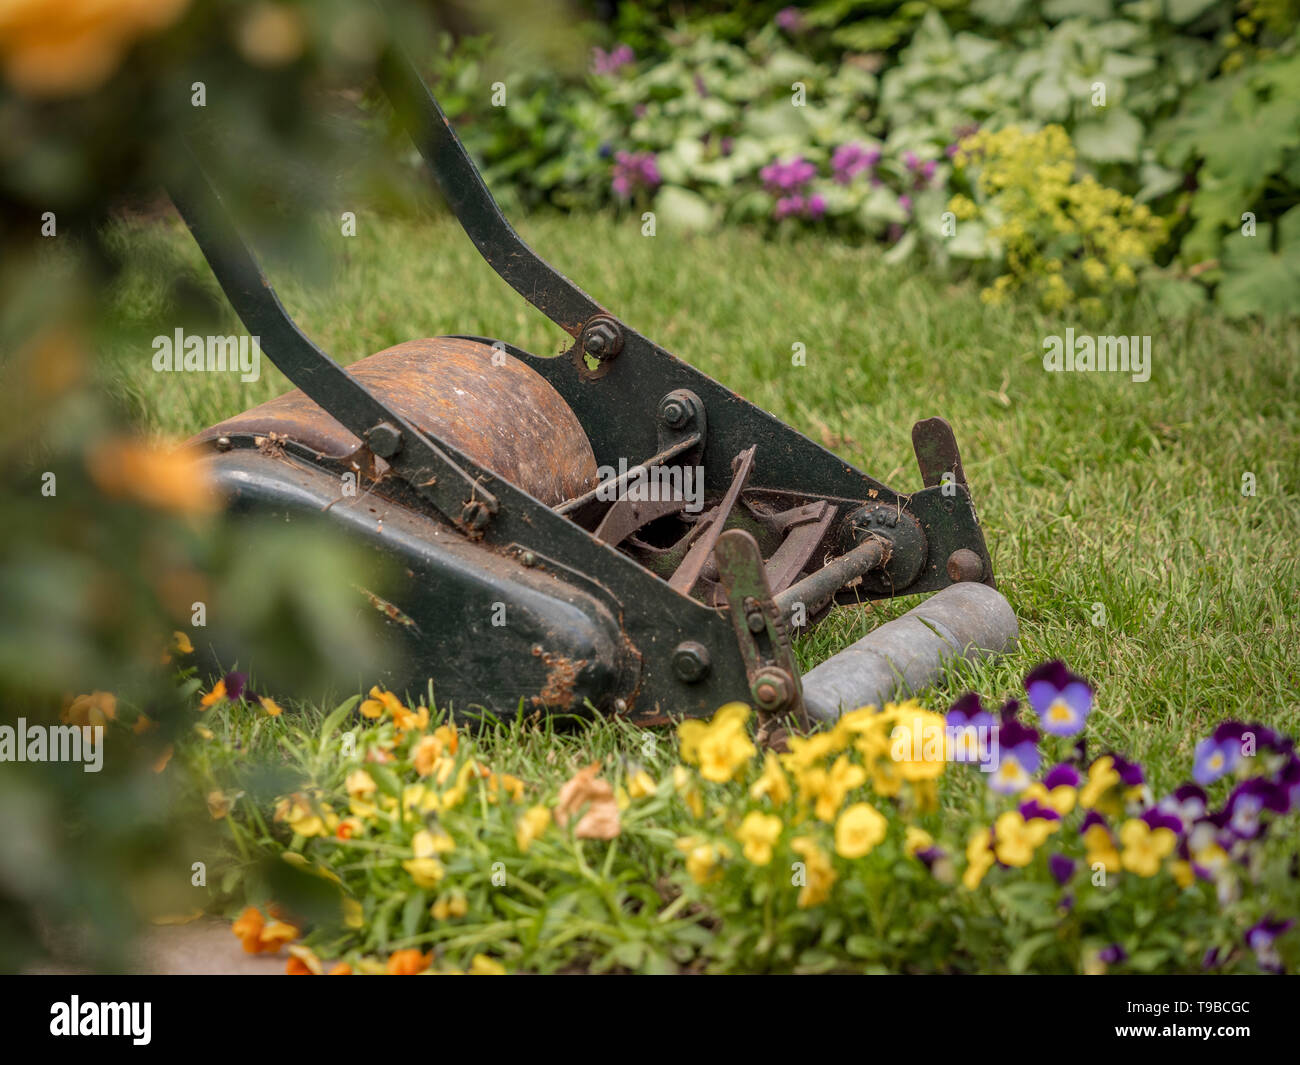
pixel 667 587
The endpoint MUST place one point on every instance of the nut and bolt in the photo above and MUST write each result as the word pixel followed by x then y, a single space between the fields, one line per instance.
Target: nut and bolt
pixel 691 661
pixel 674 411
pixel 602 339
pixel 772 689
pixel 965 565
pixel 224 443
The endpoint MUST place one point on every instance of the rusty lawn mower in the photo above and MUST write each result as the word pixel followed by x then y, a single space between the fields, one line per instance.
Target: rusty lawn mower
pixel 480 461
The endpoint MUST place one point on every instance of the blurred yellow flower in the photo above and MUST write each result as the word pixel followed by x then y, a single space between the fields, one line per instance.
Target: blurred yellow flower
pixel 817 876
pixel 1145 847
pixel 859 829
pixel 756 834
pixel 720 747
pixel 124 467
pixel 640 784
pixel 378 702
pixel 702 858
pixel 534 821
pixel 772 782
pixel 482 965
pixel 979 858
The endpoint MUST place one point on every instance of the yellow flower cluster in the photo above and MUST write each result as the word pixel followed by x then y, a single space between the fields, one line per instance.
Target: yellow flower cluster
pixel 1064 234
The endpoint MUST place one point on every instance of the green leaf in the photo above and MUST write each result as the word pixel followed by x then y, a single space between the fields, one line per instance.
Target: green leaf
pixel 1115 138
pixel 680 210
pixel 1019 959
pixel 1181 12
pixel 1258 280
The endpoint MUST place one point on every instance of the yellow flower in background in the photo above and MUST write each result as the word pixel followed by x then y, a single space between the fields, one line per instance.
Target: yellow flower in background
pixel 303 962
pixel 426 872
pixel 181 643
pixel 482 965
pixel 1014 840
pixel 916 839
pixel 1100 848
pixel 772 782
pixel 1060 798
pixel 756 834
pixel 833 787
pixel 1101 790
pixel 534 821
pixel 503 783
pixel 918 742
pixel 720 747
pixel 219 804
pixel 859 829
pixel 69 47
pixel 817 877
pixel 449 906
pixel 298 812
pixel 378 702
pixel 684 785
pixel 271 707
pixel 97 708
pixel 702 858
pixel 979 858
pixel 641 785
pixel 426 754
pixel 1145 847
pixel 406 720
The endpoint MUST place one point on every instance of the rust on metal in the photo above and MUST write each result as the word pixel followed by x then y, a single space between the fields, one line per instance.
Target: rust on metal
pixel 485 403
pixel 561 677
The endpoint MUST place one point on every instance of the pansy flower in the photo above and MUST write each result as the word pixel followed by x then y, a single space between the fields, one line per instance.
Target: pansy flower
pixel 634 172
pixel 1218 754
pixel 1248 801
pixel 1058 790
pixel 1112 955
pixel 1099 843
pixel 1262 939
pixel 1188 803
pixel 965 723
pixel 1061 868
pixel 1018 757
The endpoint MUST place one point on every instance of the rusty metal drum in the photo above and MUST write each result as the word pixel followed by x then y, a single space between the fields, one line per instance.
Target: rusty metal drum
pixel 480 400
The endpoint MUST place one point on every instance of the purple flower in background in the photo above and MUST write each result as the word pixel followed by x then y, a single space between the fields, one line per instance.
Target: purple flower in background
pixel 1112 955
pixel 611 62
pixel 905 202
pixel 969 725
pixel 1130 773
pixel 1187 803
pixel 726 145
pixel 1061 776
pixel 1157 818
pixel 634 172
pixel 816 205
pixel 1248 800
pixel 700 88
pixel 235 684
pixel 1018 753
pixel 1061 700
pixel 1219 754
pixel 1034 810
pixel 850 160
pixel 911 161
pixel 1062 868
pixel 787 178
pixel 790 19
pixel 788 206
pixel 1262 937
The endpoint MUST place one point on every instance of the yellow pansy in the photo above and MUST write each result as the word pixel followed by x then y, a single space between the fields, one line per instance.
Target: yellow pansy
pixel 722 746
pixel 979 858
pixel 818 875
pixel 757 833
pixel 771 782
pixel 530 825
pixel 860 828
pixel 1014 840
pixel 1144 847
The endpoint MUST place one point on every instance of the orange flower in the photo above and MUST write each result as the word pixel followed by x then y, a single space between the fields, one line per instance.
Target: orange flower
pixel 410 720
pixel 215 696
pixel 601 821
pixel 378 702
pixel 260 936
pixel 341 969
pixel 271 707
pixel 125 468
pixel 74 46
pixel 97 708
pixel 408 962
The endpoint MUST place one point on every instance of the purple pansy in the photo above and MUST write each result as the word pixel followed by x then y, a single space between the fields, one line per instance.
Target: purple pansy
pixel 633 173
pixel 235 684
pixel 1061 700
pixel 1018 757
pixel 1219 754
pixel 1262 939
pixel 1188 803
pixel 1061 867
pixel 1061 776
pixel 1157 818
pixel 1112 955
pixel 1248 801
pixel 967 722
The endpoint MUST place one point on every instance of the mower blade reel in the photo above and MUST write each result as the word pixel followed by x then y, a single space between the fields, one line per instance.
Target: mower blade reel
pixel 967 620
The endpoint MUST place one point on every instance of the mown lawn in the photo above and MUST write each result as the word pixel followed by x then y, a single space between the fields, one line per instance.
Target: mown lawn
pixel 1114 510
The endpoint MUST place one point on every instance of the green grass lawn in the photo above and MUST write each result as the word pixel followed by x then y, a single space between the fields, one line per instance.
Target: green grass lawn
pixel 1093 490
